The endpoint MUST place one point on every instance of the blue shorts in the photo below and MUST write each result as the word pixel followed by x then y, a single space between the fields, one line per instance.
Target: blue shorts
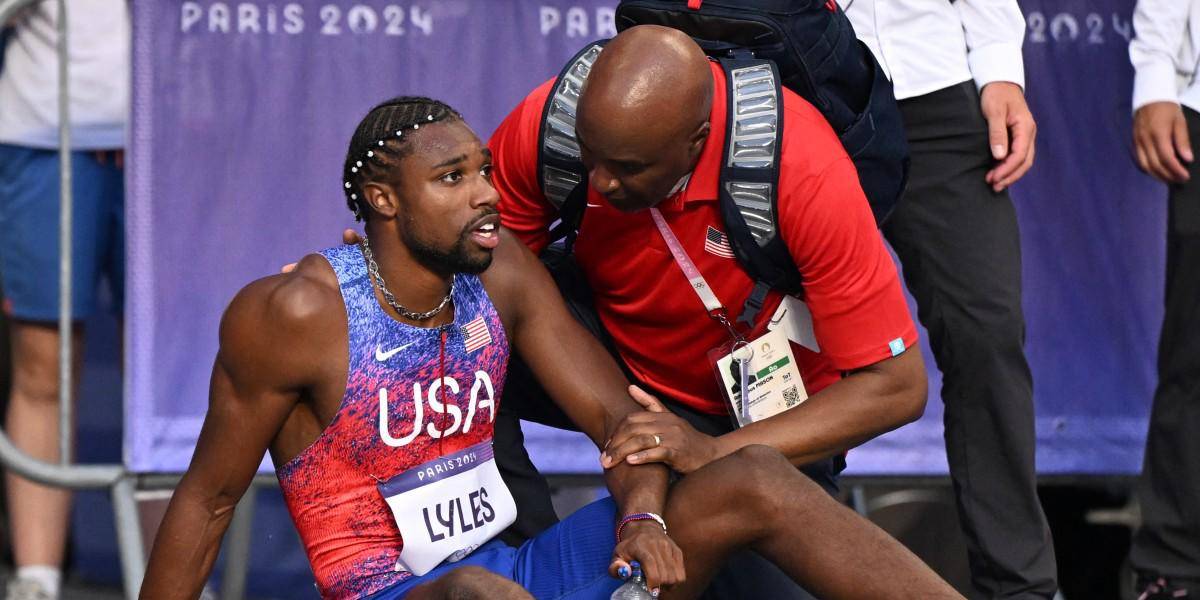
pixel 568 561
pixel 29 213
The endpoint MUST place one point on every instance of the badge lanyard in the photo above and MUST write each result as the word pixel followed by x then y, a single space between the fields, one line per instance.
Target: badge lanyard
pixel 716 310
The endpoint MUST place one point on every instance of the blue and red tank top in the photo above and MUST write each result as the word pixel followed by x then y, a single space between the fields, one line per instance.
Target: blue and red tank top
pixel 414 396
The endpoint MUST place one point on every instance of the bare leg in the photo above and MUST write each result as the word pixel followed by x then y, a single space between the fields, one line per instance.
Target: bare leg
pixel 756 498
pixel 37 514
pixel 469 583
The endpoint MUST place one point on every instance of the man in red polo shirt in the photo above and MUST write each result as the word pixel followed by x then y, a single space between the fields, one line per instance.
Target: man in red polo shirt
pixel 650 125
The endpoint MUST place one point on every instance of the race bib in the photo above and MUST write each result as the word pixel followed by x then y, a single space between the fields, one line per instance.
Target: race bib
pixel 448 507
pixel 767 371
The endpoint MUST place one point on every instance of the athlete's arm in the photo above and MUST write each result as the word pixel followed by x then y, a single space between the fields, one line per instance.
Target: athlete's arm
pixel 586 383
pixel 261 369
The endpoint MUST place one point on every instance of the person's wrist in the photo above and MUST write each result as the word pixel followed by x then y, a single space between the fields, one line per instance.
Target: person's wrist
pixel 1165 106
pixel 1003 88
pixel 637 527
pixel 1000 83
pixel 720 447
pixel 637 520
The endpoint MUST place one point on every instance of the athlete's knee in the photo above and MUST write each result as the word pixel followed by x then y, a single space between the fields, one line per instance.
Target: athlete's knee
pixel 477 583
pixel 759 456
pixel 757 473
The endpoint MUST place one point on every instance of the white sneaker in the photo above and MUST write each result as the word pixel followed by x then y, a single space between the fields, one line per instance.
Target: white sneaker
pixel 26 589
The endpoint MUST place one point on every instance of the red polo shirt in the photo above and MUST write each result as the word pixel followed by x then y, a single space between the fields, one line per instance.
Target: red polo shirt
pixel 659 325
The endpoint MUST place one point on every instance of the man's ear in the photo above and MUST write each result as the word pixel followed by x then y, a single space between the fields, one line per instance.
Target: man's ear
pixel 697 139
pixel 382 199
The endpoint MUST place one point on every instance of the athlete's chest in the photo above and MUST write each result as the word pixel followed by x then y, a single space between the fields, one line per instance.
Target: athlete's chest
pixel 409 386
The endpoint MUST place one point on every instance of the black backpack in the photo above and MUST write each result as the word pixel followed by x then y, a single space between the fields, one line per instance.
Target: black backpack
pixel 806 45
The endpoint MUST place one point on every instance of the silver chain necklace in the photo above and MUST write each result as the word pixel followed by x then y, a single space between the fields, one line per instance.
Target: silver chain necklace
pixel 373 268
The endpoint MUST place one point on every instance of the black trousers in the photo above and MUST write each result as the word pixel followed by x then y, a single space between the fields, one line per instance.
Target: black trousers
pixel 1168 544
pixel 746 574
pixel 959 245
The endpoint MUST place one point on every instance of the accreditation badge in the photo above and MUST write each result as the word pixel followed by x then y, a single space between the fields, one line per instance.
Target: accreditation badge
pixel 766 371
pixel 448 507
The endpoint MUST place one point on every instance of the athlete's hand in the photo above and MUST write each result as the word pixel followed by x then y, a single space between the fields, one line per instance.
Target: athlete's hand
pixel 1160 137
pixel 646 543
pixel 349 237
pixel 1011 132
pixel 678 444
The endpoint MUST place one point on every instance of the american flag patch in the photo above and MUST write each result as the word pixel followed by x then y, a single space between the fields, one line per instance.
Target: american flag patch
pixel 716 243
pixel 476 334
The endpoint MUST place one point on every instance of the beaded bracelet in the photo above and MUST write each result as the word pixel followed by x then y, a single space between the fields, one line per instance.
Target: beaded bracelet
pixel 645 516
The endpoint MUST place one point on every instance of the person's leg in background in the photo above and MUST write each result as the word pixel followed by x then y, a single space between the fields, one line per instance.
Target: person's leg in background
pixel 29 202
pixel 1168 544
pixel 959 246
pixel 38 515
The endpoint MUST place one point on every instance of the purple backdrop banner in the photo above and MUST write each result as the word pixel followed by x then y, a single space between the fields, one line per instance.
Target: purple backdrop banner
pixel 242 111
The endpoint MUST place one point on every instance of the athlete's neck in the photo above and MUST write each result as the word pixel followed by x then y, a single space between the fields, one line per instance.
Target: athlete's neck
pixel 415 286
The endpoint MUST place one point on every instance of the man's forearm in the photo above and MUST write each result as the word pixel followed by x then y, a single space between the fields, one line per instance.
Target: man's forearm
pixel 849 412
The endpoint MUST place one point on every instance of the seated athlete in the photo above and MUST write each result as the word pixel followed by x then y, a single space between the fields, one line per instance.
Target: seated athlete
pixel 371 373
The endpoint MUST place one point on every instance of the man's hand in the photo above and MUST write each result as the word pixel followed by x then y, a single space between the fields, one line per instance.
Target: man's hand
pixel 1160 137
pixel 657 435
pixel 646 543
pixel 349 237
pixel 1011 132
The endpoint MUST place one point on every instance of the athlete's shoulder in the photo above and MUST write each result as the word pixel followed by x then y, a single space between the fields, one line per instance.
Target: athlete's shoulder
pixel 507 278
pixel 289 307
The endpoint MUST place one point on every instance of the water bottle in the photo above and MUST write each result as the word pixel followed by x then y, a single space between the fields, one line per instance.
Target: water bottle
pixel 634 588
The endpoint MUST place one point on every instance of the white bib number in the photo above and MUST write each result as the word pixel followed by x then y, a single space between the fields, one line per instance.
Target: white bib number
pixel 448 507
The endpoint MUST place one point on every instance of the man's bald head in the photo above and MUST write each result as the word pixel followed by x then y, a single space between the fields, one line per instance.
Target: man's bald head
pixel 646 101
pixel 650 73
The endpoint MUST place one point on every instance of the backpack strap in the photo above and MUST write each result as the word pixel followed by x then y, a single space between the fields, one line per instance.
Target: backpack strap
pixel 749 182
pixel 562 176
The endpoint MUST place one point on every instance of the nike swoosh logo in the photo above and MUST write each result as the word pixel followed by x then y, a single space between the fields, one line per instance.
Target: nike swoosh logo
pixel 590 205
pixel 382 356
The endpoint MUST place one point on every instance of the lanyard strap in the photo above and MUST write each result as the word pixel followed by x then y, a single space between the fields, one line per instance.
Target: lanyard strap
pixel 711 303
pixel 716 310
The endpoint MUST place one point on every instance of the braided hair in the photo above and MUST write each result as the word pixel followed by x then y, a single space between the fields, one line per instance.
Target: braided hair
pixel 382 139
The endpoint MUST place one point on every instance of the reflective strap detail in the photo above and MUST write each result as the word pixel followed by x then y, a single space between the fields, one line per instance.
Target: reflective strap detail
pixel 558 184
pixel 558 137
pixel 755 117
pixel 753 200
pixel 753 145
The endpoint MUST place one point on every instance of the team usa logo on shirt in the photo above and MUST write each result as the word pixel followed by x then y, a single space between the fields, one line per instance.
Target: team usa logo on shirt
pixel 476 335
pixel 441 396
pixel 717 243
